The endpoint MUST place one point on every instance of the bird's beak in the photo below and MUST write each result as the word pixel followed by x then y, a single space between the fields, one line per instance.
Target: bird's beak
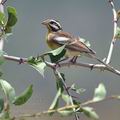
pixel 44 22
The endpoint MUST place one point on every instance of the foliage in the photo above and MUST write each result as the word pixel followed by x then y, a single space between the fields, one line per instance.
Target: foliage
pixel 73 105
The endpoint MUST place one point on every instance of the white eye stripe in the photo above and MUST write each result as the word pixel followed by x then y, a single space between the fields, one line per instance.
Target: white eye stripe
pixel 54 26
pixel 56 22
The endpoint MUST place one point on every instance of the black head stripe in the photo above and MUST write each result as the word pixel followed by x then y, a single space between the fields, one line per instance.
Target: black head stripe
pixel 55 26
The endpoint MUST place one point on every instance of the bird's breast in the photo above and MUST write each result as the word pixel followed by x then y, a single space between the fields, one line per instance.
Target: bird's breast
pixel 50 42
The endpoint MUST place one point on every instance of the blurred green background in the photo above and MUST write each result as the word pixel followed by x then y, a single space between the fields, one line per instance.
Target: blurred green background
pixel 90 19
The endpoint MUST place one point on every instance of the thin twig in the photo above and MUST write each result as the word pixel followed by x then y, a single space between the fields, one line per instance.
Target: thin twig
pixel 67 90
pixel 15 59
pixel 1 39
pixel 39 114
pixel 115 28
pixel 90 66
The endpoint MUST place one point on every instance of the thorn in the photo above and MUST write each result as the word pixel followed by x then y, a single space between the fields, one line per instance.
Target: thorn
pixel 92 66
pixel 21 61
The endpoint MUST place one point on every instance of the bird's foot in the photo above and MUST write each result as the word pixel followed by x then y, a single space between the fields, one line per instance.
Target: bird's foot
pixel 73 60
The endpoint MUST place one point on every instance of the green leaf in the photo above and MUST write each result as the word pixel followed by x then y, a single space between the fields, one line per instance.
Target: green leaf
pixel 89 112
pixel 55 102
pixel 77 89
pixel 24 97
pixel 8 90
pixel 8 30
pixel 116 97
pixel 67 99
pixel 100 93
pixel 1 104
pixel 67 112
pixel 2 19
pixel 12 16
pixel 5 115
pixel 40 67
pixel 1 73
pixel 57 51
pixel 57 54
pixel 60 78
pixel 2 57
pixel 37 64
pixel 117 35
pixel 118 15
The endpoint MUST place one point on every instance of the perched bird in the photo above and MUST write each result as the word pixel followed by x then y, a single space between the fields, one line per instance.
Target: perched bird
pixel 56 37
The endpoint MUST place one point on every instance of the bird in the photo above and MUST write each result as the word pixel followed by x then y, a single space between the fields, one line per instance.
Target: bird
pixel 74 47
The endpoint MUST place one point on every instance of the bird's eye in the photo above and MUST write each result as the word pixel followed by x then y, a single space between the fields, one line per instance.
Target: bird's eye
pixel 52 22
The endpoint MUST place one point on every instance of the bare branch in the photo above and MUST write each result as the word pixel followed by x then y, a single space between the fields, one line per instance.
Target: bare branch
pixel 1 39
pixel 115 28
pixel 15 59
pixel 67 64
pixel 64 108
pixel 91 66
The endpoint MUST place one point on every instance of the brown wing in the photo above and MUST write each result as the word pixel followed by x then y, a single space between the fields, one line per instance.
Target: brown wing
pixel 71 42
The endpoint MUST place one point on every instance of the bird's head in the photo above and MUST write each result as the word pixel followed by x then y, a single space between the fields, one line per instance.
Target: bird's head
pixel 52 25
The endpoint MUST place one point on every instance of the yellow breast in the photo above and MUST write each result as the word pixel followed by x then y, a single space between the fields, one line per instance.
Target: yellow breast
pixel 51 44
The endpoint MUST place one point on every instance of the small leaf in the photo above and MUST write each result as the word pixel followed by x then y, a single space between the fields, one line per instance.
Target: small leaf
pixel 60 78
pixel 1 73
pixel 67 99
pixel 73 86
pixel 1 104
pixel 57 54
pixel 118 15
pixel 89 112
pixel 67 112
pixel 37 64
pixel 116 97
pixel 100 93
pixel 8 90
pixel 80 90
pixel 40 67
pixel 12 16
pixel 8 30
pixel 24 97
pixel 117 35
pixel 2 57
pixel 2 19
pixel 57 51
pixel 5 115
pixel 55 102
pixel 76 89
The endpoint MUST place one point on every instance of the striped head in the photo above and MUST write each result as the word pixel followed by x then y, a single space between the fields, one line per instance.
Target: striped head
pixel 52 25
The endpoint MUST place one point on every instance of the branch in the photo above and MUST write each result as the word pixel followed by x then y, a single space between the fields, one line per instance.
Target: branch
pixel 1 39
pixel 91 66
pixel 115 28
pixel 64 108
pixel 66 64
pixel 69 94
pixel 15 59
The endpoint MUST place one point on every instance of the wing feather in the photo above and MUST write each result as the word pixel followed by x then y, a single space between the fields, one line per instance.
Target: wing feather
pixel 71 42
